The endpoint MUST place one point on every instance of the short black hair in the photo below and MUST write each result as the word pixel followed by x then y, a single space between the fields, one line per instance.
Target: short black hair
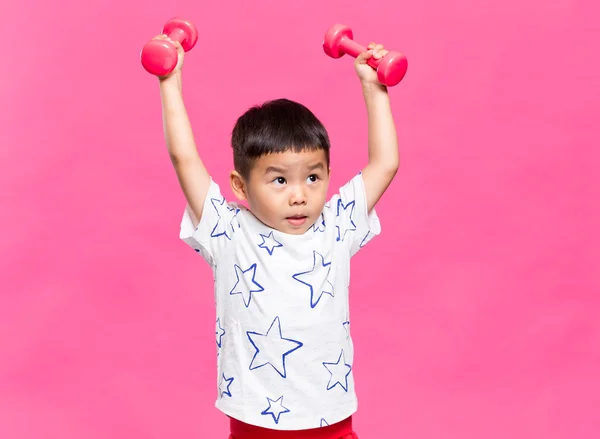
pixel 276 126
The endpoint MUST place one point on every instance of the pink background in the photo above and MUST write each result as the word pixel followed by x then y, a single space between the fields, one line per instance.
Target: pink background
pixel 475 314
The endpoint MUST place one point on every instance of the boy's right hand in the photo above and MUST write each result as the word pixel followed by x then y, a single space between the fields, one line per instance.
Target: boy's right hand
pixel 180 56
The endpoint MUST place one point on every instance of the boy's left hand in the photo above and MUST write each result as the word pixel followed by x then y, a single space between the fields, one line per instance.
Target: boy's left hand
pixel 366 73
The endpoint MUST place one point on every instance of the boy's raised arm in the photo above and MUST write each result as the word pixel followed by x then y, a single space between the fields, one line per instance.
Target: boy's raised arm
pixel 384 157
pixel 193 177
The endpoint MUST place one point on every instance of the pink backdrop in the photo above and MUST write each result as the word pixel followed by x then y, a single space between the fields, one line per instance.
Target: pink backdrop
pixel 475 314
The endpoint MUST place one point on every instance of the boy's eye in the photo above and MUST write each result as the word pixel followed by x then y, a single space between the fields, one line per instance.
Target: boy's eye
pixel 313 178
pixel 279 180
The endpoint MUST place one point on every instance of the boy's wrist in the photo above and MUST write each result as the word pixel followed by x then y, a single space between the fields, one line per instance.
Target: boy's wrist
pixel 373 93
pixel 172 81
pixel 370 88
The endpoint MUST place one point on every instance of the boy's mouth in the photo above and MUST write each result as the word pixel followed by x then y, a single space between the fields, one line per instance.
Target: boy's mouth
pixel 297 220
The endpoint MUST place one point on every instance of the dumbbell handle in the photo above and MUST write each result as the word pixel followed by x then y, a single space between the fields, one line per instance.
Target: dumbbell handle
pixel 354 49
pixel 177 35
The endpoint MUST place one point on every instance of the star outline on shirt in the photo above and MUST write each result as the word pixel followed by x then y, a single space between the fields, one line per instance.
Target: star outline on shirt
pixel 323 264
pixel 219 332
pixel 227 390
pixel 319 226
pixel 234 217
pixel 327 365
pixel 233 291
pixel 270 237
pixel 219 202
pixel 349 205
pixel 298 344
pixel 279 408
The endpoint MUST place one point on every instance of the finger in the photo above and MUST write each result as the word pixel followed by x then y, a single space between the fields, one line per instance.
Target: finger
pixel 175 43
pixel 363 57
pixel 371 45
pixel 377 51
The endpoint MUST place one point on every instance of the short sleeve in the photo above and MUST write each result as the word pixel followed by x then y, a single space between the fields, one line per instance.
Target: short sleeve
pixel 216 227
pixel 355 227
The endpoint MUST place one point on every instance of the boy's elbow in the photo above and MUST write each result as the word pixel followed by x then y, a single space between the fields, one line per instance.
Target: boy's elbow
pixel 179 159
pixel 385 163
pixel 388 168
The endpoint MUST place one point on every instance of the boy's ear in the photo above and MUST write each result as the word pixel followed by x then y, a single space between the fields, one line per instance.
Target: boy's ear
pixel 238 185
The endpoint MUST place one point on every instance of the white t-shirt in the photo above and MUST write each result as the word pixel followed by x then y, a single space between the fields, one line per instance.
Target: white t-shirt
pixel 282 330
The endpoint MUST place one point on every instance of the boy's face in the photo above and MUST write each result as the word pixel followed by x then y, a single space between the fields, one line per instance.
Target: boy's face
pixel 286 191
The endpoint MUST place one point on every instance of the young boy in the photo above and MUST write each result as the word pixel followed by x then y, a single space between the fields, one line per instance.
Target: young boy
pixel 282 267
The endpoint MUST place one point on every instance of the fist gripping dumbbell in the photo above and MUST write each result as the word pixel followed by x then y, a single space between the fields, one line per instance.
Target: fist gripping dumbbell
pixel 159 57
pixel 390 69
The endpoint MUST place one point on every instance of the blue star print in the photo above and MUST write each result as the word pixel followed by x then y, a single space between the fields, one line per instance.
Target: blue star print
pixel 324 423
pixel 275 408
pixel 234 218
pixel 245 280
pixel 220 332
pixel 317 279
pixel 339 372
pixel 269 243
pixel 272 348
pixel 224 386
pixel 220 228
pixel 343 224
pixel 319 226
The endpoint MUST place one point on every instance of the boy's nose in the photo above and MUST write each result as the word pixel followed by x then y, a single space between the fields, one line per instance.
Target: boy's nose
pixel 297 197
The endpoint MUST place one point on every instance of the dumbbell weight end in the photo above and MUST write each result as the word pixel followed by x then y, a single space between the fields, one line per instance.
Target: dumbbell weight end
pixel 159 57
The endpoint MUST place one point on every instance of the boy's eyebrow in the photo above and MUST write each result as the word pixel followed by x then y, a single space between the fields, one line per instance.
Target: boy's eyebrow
pixel 274 169
pixel 277 170
pixel 316 166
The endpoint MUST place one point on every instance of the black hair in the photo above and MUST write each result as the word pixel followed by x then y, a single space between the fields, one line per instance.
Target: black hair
pixel 276 126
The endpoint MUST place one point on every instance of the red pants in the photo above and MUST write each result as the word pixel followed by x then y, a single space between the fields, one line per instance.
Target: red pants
pixel 340 430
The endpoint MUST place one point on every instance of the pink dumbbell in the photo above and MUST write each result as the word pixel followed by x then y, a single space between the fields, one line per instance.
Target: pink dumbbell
pixel 390 69
pixel 159 57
